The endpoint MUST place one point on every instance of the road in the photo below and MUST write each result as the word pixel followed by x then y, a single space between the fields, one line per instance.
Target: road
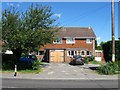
pixel 33 83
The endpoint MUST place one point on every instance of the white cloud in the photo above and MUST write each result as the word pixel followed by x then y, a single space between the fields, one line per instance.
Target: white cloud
pixel 57 15
pixel 98 38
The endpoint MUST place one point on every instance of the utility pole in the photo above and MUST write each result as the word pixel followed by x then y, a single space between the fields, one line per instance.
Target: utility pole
pixel 113 36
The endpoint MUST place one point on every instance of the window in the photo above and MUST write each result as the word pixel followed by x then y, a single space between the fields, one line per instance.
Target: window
pixel 57 41
pixel 82 53
pixel 70 40
pixel 88 53
pixel 71 53
pixel 88 41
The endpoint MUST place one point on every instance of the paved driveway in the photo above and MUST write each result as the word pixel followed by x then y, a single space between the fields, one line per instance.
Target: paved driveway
pixel 66 71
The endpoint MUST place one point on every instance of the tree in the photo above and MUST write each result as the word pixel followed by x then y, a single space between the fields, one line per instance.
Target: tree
pixel 100 46
pixel 27 31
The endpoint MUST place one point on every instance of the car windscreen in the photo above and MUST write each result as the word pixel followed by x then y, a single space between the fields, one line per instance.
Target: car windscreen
pixel 77 56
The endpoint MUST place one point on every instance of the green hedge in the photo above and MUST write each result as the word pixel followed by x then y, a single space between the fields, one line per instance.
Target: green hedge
pixel 107 50
pixel 9 61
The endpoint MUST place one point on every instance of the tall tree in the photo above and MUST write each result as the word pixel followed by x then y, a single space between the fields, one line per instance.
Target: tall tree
pixel 27 31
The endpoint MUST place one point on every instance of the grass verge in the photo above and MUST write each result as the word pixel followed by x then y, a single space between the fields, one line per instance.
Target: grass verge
pixel 22 71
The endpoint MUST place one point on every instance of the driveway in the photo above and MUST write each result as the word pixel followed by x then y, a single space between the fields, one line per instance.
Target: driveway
pixel 64 71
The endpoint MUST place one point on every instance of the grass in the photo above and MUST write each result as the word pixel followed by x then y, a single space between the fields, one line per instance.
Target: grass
pixel 95 62
pixel 22 71
pixel 35 69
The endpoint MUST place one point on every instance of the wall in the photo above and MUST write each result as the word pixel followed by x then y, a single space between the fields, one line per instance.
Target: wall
pixel 78 44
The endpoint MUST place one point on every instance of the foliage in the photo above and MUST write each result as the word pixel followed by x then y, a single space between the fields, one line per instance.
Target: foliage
pixel 109 68
pixel 86 60
pixel 36 65
pixel 25 32
pixel 91 58
pixel 9 62
pixel 0 29
pixel 100 46
pixel 95 62
pixel 107 50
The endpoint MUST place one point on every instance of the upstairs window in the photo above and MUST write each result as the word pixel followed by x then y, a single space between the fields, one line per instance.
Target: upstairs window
pixel 70 40
pixel 89 41
pixel 57 41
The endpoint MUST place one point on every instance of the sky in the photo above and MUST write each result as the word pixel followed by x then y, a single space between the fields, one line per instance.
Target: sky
pixel 96 15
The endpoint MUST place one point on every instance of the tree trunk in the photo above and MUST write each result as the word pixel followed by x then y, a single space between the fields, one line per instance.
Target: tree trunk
pixel 17 53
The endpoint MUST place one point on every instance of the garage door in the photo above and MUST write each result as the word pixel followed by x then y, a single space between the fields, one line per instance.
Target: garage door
pixel 56 55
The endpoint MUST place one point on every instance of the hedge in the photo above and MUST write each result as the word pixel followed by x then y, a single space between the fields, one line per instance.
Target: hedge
pixel 107 50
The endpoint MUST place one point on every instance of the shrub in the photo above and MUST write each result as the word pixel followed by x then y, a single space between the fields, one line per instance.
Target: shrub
pixel 36 65
pixel 86 60
pixel 95 62
pixel 8 62
pixel 109 68
pixel 91 58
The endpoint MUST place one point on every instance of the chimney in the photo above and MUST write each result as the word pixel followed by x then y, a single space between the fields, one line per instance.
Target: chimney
pixel 89 27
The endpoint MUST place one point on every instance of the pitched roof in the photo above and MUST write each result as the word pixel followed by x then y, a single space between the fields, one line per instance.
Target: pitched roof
pixel 76 32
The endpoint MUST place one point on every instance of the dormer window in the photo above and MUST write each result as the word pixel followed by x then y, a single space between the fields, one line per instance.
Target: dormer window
pixel 89 41
pixel 57 41
pixel 70 40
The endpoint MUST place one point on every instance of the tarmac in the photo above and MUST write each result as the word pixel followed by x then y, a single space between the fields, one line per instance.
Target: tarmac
pixel 63 71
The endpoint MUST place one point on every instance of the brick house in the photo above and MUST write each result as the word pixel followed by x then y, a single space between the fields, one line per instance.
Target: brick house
pixel 71 41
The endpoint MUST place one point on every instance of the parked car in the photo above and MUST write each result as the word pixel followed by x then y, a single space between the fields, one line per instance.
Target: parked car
pixel 77 60
pixel 28 58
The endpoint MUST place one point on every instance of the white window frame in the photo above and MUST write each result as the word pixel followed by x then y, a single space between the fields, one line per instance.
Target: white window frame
pixel 89 53
pixel 70 51
pixel 58 41
pixel 84 53
pixel 89 40
pixel 68 41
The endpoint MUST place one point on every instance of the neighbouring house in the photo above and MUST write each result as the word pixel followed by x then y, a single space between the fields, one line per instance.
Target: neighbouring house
pixel 71 41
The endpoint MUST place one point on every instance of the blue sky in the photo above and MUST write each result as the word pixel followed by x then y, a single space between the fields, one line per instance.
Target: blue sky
pixel 79 14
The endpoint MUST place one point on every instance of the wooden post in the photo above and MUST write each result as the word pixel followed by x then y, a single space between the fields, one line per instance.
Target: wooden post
pixel 113 37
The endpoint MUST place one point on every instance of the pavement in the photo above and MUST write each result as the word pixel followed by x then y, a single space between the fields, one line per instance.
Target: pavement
pixel 63 71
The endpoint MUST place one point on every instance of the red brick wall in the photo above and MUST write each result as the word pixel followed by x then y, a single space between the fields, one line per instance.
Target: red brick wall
pixel 78 44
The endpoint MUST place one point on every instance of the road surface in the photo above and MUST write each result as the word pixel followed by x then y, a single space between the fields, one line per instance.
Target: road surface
pixel 33 83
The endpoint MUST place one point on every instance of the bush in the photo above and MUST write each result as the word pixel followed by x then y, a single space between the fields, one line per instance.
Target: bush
pixel 91 58
pixel 36 65
pixel 109 68
pixel 95 62
pixel 8 62
pixel 86 60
